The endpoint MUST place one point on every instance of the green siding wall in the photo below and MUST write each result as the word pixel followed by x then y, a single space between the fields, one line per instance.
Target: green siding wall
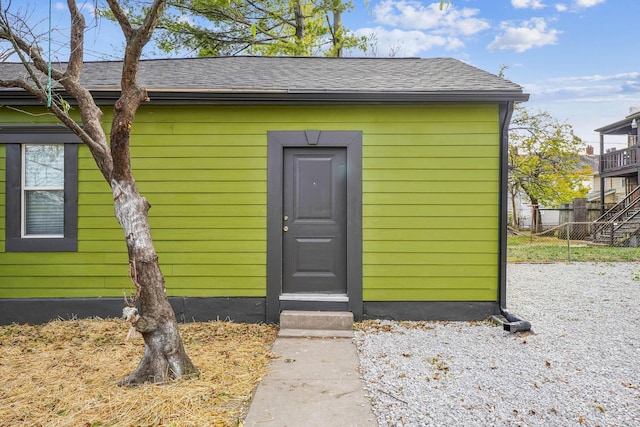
pixel 430 206
pixel 430 203
pixel 3 178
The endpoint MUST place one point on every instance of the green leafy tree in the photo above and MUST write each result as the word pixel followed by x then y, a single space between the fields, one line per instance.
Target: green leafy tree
pixel 259 27
pixel 544 162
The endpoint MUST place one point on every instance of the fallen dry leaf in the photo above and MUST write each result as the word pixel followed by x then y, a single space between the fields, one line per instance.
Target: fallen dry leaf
pixel 64 373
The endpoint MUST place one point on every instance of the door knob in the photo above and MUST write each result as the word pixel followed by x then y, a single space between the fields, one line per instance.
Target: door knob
pixel 285 228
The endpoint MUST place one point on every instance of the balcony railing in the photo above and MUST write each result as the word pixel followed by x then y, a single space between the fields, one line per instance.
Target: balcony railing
pixel 619 159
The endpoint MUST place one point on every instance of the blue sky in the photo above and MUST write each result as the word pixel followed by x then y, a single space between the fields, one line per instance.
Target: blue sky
pixel 577 58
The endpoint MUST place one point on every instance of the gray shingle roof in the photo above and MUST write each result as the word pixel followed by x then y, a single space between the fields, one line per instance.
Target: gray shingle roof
pixel 259 74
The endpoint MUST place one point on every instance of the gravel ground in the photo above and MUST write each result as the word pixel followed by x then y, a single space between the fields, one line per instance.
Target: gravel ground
pixel 579 365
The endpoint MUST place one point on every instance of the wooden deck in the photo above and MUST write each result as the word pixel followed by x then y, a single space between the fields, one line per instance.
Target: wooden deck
pixel 619 160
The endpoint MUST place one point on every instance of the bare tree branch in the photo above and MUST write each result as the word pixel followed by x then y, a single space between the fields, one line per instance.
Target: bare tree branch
pixel 24 49
pixel 131 94
pixel 76 40
pixel 121 17
pixel 151 20
pixel 90 132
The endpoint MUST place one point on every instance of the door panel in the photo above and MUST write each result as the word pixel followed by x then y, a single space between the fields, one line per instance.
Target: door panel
pixel 314 217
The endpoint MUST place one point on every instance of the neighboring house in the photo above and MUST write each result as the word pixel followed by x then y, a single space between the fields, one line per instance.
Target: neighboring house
pixel 619 225
pixel 614 187
pixel 615 191
pixel 375 185
pixel 621 164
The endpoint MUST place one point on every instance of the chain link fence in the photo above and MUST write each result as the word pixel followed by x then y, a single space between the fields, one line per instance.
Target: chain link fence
pixel 577 241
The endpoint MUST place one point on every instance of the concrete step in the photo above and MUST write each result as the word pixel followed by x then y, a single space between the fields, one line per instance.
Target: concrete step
pixel 316 323
pixel 314 333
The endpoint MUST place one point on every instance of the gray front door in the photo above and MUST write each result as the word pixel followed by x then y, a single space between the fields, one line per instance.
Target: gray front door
pixel 314 180
pixel 314 236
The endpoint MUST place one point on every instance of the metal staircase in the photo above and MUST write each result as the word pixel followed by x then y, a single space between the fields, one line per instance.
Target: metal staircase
pixel 620 225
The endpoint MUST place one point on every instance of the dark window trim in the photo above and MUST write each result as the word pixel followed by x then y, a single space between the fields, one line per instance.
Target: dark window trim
pixel 37 134
pixel 13 137
pixel 277 141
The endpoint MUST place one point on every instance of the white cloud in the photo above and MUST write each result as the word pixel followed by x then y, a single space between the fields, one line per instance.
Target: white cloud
pixel 599 78
pixel 588 3
pixel 415 15
pixel 575 6
pixel 466 23
pixel 405 43
pixel 584 91
pixel 408 14
pixel 530 34
pixel 411 27
pixel 527 4
pixel 86 7
pixel 620 87
pixel 185 19
pixel 584 105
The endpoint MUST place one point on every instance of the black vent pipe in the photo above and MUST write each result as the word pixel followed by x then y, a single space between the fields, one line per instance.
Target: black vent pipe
pixel 514 323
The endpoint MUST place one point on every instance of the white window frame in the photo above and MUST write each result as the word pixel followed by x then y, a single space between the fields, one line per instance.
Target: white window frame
pixel 25 189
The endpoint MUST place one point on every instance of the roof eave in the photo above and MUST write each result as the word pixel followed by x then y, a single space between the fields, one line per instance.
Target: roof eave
pixel 297 97
pixel 621 127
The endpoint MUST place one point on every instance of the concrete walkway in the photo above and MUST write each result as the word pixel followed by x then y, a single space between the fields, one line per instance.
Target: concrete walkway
pixel 314 382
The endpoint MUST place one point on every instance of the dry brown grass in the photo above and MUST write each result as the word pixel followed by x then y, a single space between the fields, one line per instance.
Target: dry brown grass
pixel 64 373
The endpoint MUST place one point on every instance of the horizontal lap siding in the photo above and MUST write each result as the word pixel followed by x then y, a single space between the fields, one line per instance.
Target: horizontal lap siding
pixel 208 195
pixel 206 183
pixel 430 183
pixel 430 206
pixel 64 274
pixel 3 177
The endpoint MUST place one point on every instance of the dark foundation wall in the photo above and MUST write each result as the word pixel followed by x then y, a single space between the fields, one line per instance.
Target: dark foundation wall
pixel 430 310
pixel 187 309
pixel 238 309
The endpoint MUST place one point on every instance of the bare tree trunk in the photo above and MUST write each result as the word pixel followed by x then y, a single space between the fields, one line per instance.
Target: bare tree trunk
pixel 536 217
pixel 299 17
pixel 516 221
pixel 164 355
pixel 539 228
pixel 337 31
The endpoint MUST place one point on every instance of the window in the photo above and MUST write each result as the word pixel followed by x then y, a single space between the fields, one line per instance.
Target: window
pixel 41 191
